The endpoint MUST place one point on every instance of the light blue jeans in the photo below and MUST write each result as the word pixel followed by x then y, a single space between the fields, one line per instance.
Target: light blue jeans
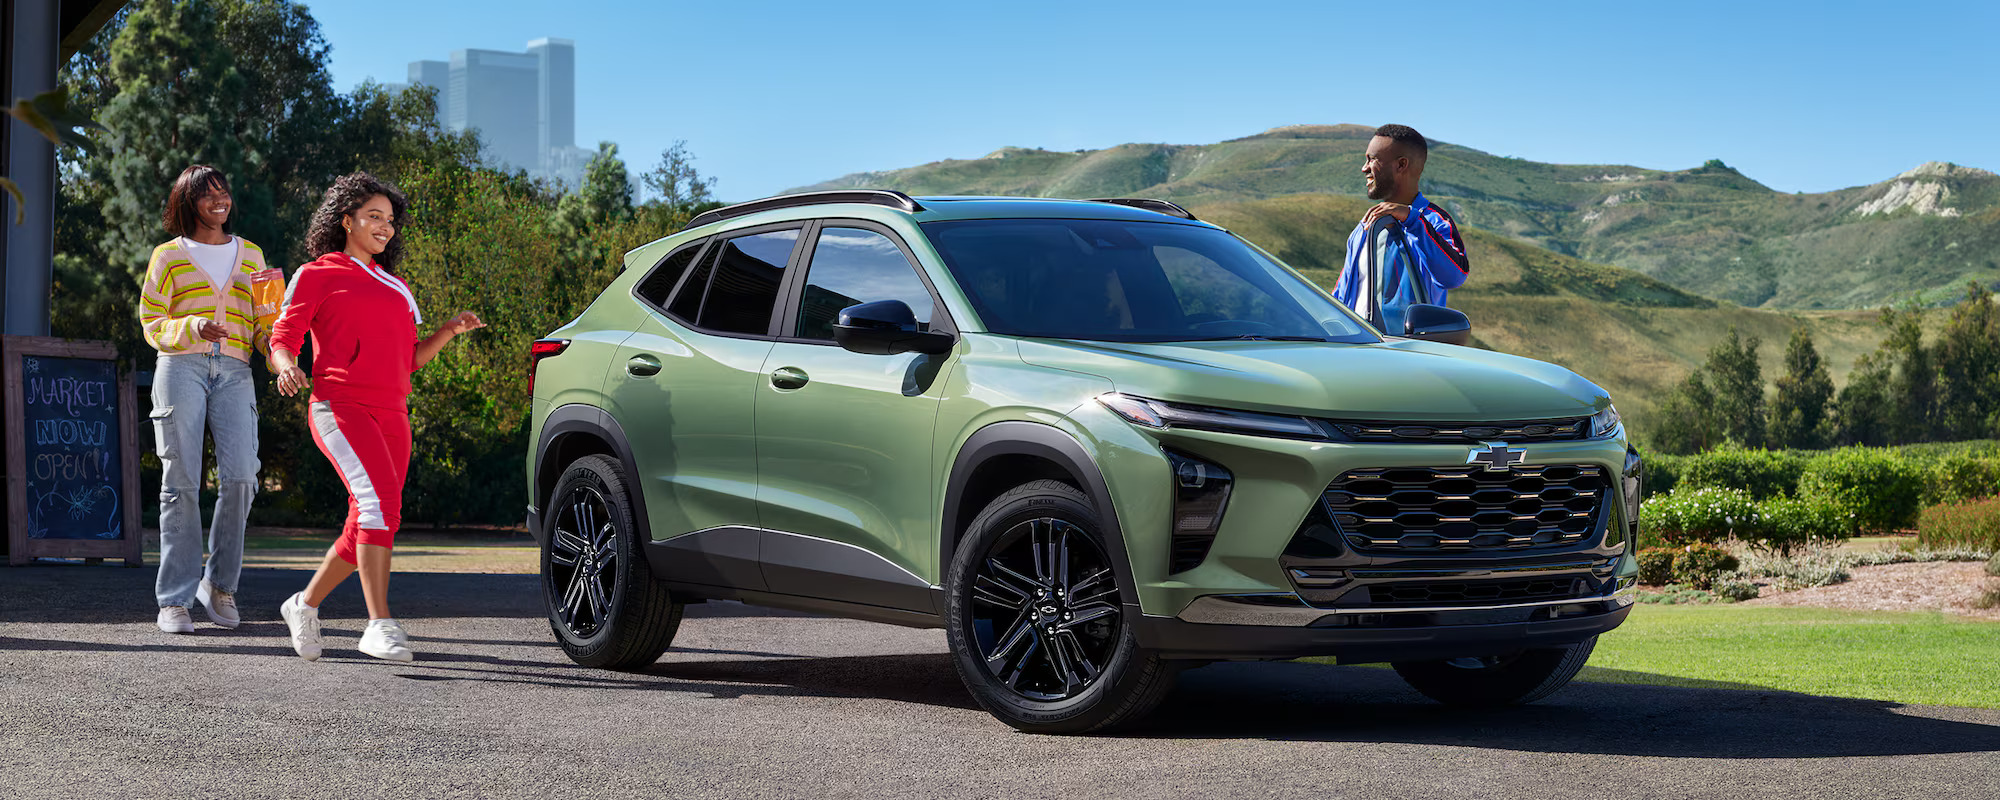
pixel 191 392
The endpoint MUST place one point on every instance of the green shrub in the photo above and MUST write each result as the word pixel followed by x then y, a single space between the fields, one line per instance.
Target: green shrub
pixel 1662 473
pixel 1656 566
pixel 1736 591
pixel 1883 491
pixel 1991 599
pixel 1699 565
pixel 1993 565
pixel 1697 515
pixel 1785 523
pixel 1958 477
pixel 1973 525
pixel 1762 473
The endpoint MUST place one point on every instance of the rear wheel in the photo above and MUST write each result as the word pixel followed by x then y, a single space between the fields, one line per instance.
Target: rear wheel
pixel 1497 680
pixel 1036 620
pixel 604 606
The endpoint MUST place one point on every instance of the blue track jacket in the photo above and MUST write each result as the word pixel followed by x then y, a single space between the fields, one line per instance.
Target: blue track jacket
pixel 1429 237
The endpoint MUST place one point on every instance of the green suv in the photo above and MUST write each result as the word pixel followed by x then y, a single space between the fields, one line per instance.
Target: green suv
pixel 1097 442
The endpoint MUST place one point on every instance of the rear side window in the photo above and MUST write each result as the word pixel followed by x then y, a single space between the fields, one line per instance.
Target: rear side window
pixel 687 303
pixel 748 271
pixel 655 288
pixel 851 266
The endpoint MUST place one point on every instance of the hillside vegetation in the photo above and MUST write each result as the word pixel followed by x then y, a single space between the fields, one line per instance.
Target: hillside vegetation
pixel 1709 230
pixel 1633 335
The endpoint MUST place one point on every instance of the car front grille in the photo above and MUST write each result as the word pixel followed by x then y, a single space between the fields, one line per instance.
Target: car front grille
pixel 1517 432
pixel 1456 509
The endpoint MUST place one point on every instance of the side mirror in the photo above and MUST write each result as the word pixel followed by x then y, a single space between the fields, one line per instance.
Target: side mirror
pixel 1436 324
pixel 885 328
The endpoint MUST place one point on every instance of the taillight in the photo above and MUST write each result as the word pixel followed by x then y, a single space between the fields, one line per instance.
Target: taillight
pixel 542 348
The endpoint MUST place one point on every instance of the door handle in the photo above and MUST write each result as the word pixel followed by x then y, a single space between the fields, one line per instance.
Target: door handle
pixel 642 365
pixel 788 378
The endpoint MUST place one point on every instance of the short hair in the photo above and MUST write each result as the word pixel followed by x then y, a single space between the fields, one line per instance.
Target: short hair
pixel 181 217
pixel 347 194
pixel 1408 137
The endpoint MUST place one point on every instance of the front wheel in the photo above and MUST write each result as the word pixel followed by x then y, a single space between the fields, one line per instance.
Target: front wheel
pixel 1037 623
pixel 1488 681
pixel 604 606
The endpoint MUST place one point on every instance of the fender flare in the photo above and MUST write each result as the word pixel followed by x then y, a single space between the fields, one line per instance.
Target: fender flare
pixel 1049 443
pixel 580 418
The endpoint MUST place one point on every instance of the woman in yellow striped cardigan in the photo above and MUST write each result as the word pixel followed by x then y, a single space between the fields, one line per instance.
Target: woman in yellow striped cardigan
pixel 207 302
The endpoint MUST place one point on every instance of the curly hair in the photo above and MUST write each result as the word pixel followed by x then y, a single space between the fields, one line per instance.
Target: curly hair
pixel 347 194
pixel 180 217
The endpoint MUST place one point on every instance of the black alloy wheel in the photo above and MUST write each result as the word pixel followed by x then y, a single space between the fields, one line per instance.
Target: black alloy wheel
pixel 605 608
pixel 1037 621
pixel 1045 610
pixel 583 560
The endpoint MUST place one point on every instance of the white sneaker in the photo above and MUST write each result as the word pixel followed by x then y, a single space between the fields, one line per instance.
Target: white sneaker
pixel 303 620
pixel 385 639
pixel 175 619
pixel 220 605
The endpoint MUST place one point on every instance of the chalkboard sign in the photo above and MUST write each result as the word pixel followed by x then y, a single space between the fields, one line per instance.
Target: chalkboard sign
pixel 72 466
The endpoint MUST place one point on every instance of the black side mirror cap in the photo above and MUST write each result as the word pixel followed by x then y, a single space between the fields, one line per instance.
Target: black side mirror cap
pixel 1436 324
pixel 885 328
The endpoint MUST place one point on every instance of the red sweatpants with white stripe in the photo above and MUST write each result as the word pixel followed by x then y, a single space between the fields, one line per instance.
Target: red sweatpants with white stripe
pixel 370 448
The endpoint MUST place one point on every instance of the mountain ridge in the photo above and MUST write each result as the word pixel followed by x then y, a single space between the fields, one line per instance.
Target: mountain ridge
pixel 1709 229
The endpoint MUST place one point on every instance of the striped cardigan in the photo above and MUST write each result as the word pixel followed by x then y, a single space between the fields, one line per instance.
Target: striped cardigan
pixel 176 291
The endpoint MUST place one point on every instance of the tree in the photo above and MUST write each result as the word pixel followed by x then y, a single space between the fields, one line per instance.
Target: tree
pixel 674 182
pixel 1739 389
pixel 1799 413
pixel 1968 367
pixel 603 198
pixel 1688 422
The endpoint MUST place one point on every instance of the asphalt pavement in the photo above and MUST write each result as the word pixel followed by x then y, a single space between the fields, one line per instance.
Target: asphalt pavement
pixel 95 702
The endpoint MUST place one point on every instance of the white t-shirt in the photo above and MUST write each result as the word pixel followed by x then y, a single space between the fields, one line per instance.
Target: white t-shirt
pixel 217 261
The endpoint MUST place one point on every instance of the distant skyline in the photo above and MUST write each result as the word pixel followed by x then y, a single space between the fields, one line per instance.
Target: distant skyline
pixel 1801 97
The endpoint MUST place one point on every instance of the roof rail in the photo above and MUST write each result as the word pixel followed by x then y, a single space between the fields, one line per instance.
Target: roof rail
pixel 879 197
pixel 1148 204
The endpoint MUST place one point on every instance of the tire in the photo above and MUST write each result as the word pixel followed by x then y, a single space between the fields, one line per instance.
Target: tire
pixel 1497 681
pixel 604 606
pixel 1036 621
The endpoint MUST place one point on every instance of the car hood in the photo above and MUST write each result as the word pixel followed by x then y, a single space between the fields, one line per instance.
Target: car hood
pixel 1395 380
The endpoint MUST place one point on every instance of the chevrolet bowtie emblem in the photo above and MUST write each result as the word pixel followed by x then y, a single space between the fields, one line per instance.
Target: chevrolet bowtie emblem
pixel 1497 456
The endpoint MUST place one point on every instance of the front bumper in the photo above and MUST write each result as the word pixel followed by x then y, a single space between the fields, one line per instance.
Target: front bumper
pixel 1281 625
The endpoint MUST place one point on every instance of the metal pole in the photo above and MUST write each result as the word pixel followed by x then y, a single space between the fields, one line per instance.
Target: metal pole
pixel 35 36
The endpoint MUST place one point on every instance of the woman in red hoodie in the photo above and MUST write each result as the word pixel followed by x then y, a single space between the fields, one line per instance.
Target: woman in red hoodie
pixel 363 320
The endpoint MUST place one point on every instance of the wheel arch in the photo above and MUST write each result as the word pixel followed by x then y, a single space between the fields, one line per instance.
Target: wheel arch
pixel 574 431
pixel 1004 455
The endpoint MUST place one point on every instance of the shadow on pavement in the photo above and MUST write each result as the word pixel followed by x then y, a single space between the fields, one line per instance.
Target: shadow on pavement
pixel 1276 701
pixel 1316 702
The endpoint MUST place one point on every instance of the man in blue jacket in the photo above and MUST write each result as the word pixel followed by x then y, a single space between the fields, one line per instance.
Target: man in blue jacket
pixel 1423 239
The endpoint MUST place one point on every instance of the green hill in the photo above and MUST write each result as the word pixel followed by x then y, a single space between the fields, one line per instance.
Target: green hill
pixel 1709 230
pixel 1633 335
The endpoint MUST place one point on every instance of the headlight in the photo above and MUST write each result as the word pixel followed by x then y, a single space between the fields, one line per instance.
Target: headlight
pixel 1161 414
pixel 1604 423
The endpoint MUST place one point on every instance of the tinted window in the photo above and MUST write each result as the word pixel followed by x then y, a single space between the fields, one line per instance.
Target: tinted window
pixel 660 283
pixel 748 270
pixel 687 302
pixel 1132 281
pixel 852 266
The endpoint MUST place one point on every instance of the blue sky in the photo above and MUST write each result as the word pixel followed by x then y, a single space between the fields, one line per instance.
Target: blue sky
pixel 1800 96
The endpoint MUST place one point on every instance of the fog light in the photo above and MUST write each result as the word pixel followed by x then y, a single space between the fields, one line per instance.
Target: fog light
pixel 1201 492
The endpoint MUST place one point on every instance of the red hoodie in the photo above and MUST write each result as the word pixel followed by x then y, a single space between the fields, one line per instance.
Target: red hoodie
pixel 363 322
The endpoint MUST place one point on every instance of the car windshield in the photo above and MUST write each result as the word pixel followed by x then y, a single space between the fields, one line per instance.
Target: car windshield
pixel 1111 280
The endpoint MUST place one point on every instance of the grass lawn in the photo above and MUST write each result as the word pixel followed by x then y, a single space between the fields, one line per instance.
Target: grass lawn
pixel 1897 656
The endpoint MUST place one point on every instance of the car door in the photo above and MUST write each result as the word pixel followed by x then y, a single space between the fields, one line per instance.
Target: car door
pixel 843 438
pixel 683 387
